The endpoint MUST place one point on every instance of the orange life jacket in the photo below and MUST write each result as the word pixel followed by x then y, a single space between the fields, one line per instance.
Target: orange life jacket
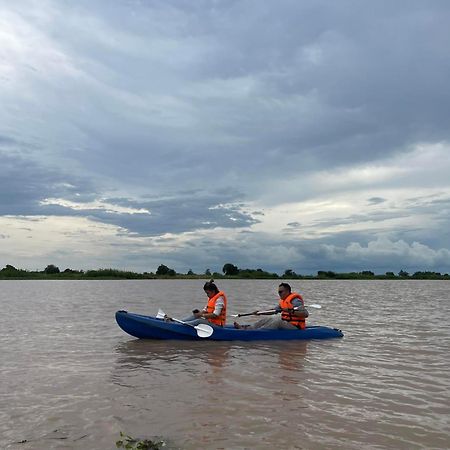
pixel 211 306
pixel 297 321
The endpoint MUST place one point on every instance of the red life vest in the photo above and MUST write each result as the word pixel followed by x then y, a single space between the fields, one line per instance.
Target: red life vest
pixel 211 306
pixel 297 321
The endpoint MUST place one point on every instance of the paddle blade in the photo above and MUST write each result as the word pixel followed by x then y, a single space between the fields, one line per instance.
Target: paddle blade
pixel 204 330
pixel 314 306
pixel 161 314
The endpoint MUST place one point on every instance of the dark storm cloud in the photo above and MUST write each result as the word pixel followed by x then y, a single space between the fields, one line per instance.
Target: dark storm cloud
pixel 193 110
pixel 298 85
pixel 24 183
pixel 175 215
pixel 26 186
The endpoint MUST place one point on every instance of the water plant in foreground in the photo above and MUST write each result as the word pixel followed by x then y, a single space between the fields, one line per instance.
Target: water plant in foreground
pixel 131 443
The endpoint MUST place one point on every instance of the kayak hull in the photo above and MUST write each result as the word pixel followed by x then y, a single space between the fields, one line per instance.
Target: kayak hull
pixel 148 327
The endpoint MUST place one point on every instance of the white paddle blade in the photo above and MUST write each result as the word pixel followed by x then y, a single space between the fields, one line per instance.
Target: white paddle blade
pixel 314 306
pixel 204 330
pixel 161 314
pixel 234 315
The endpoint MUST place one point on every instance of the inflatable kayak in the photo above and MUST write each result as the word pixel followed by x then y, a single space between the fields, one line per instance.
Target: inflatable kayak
pixel 148 327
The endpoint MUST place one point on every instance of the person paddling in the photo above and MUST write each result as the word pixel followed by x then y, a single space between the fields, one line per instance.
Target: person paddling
pixel 214 312
pixel 292 308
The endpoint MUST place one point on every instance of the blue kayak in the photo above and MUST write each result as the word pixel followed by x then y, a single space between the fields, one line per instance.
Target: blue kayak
pixel 148 327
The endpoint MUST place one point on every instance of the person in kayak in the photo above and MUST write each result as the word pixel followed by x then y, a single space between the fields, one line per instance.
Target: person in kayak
pixel 215 310
pixel 293 313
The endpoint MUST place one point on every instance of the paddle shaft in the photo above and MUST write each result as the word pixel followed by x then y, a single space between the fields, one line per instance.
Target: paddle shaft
pixel 203 330
pixel 184 323
pixel 272 311
pixel 261 313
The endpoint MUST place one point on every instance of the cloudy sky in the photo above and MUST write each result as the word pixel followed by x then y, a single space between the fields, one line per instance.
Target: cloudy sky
pixel 306 135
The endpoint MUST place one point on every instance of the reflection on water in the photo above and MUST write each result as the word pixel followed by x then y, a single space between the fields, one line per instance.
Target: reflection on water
pixel 66 366
pixel 148 354
pixel 207 385
pixel 154 355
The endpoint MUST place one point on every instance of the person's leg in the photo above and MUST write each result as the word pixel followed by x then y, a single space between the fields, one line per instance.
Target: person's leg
pixel 267 323
pixel 273 323
pixel 285 325
pixel 195 321
pixel 189 318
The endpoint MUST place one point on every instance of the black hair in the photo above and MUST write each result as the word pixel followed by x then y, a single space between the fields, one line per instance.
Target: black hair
pixel 286 286
pixel 210 286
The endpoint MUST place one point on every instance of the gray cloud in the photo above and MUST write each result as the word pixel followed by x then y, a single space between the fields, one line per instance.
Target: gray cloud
pixel 376 200
pixel 348 253
pixel 302 84
pixel 24 182
pixel 177 107
pixel 175 215
pixel 26 185
pixel 379 216
pixel 6 140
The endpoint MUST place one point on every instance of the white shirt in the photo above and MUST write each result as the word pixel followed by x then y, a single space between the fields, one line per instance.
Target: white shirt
pixel 220 303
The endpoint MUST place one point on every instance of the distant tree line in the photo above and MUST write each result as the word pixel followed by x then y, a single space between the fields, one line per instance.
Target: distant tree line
pixel 228 271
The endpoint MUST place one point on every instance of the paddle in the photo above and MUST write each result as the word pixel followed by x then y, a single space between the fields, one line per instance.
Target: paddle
pixel 202 329
pixel 258 313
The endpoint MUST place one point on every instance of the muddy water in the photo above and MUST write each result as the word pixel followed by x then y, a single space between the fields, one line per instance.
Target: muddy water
pixel 71 379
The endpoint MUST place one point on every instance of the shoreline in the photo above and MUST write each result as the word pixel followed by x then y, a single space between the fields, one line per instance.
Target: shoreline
pixel 189 277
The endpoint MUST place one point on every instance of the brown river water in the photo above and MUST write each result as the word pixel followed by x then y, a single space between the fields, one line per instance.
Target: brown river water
pixel 70 378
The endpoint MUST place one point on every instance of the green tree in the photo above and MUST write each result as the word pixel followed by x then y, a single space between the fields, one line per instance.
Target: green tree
pixel 403 274
pixel 208 272
pixel 230 269
pixel 367 273
pixel 9 269
pixel 68 270
pixel 326 274
pixel 289 273
pixel 51 269
pixel 164 270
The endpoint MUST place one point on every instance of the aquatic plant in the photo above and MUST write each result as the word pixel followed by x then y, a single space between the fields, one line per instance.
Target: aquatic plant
pixel 131 443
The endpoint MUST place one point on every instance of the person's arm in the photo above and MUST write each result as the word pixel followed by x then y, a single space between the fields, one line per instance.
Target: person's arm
pixel 217 310
pixel 220 304
pixel 301 311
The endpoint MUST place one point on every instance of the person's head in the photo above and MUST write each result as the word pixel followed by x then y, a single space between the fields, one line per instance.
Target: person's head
pixel 210 288
pixel 284 290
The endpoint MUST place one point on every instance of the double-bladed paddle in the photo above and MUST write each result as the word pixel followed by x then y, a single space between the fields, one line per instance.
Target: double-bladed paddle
pixel 202 329
pixel 272 311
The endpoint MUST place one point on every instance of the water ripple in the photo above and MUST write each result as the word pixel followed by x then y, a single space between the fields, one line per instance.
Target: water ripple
pixel 70 378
